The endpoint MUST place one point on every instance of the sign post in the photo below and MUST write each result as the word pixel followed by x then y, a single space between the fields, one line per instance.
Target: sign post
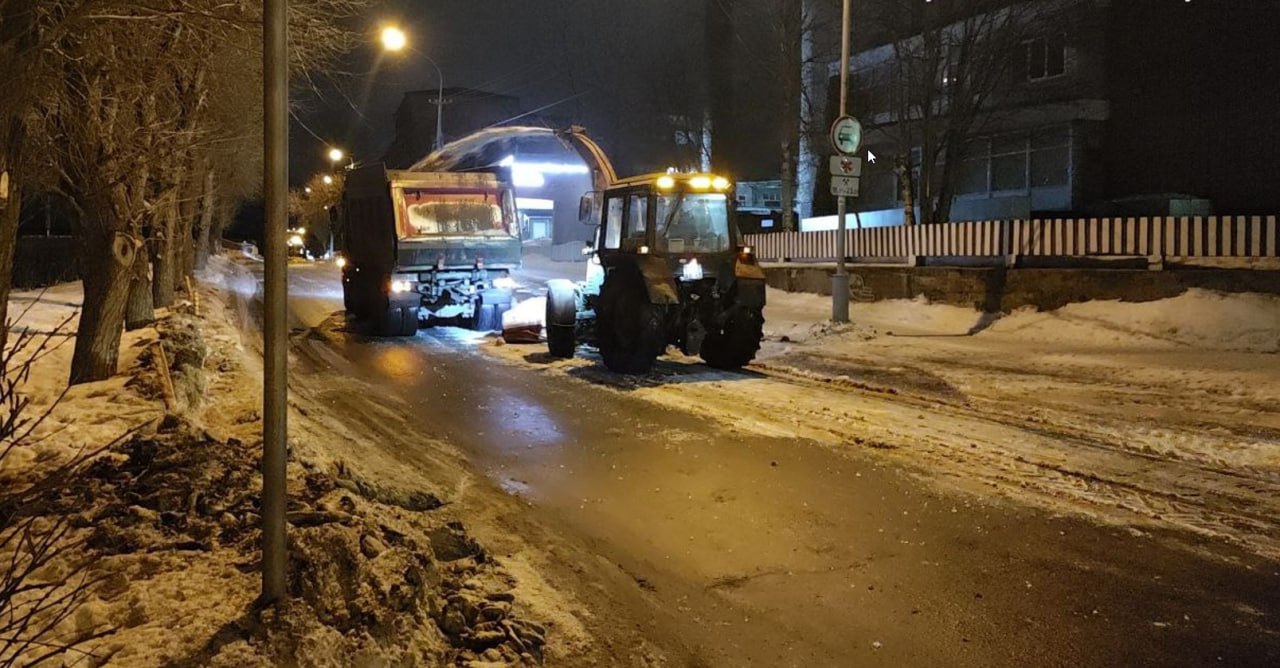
pixel 846 138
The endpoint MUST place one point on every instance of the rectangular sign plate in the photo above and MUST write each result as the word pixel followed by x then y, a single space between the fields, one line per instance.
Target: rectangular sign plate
pixel 846 165
pixel 844 186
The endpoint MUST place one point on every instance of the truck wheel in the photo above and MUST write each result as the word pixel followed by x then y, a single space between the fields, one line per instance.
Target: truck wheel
pixel 397 321
pixel 734 345
pixel 630 328
pixel 562 318
pixel 409 322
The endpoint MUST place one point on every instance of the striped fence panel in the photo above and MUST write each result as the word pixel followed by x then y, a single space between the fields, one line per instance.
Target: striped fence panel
pixel 1171 237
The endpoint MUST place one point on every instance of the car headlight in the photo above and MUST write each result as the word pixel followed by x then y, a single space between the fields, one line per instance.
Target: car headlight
pixel 401 286
pixel 504 283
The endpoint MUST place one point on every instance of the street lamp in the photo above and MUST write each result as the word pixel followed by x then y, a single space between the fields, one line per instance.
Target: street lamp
pixel 335 155
pixel 394 39
pixel 328 180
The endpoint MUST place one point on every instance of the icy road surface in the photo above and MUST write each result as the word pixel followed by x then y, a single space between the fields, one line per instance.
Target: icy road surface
pixel 792 516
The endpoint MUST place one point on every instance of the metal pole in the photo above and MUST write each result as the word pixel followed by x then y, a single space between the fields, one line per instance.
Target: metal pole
pixel 439 103
pixel 275 74
pixel 840 281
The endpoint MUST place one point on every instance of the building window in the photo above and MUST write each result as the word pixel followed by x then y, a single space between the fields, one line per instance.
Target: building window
pixel 1016 163
pixel 1051 157
pixel 1046 57
pixel 973 177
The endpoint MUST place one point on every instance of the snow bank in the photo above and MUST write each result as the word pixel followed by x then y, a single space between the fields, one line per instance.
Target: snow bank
pixel 1199 319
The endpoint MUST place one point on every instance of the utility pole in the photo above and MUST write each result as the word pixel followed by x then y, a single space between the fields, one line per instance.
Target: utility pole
pixel 275 107
pixel 840 281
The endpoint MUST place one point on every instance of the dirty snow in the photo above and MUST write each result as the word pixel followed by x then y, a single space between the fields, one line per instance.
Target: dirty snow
pixel 1163 414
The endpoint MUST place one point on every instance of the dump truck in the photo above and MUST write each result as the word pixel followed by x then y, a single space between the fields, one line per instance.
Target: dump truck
pixel 428 247
pixel 666 268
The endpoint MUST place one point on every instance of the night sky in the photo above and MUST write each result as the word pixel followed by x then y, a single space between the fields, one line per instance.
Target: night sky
pixel 585 57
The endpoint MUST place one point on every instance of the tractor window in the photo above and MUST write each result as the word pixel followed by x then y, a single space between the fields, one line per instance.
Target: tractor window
pixel 637 209
pixel 613 223
pixel 693 223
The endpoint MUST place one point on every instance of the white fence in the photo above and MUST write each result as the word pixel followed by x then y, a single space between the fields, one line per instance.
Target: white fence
pixel 1189 237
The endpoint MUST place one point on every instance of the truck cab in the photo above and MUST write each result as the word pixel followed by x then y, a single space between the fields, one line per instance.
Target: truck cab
pixel 436 246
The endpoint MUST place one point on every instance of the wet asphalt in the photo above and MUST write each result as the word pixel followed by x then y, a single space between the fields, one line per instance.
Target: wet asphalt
pixel 763 551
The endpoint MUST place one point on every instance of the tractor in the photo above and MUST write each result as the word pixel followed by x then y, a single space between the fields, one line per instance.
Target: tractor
pixel 666 268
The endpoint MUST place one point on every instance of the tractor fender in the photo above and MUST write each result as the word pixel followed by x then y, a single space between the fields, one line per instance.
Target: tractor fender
pixel 749 292
pixel 658 279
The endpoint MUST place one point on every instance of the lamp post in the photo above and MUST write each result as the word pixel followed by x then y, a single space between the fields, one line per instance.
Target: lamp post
pixel 394 39
pixel 840 280
pixel 275 106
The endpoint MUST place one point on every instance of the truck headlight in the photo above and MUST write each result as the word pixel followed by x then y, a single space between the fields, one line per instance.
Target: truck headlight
pixel 401 285
pixel 504 283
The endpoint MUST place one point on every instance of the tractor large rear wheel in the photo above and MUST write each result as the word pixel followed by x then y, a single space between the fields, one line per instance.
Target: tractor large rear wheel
pixel 631 330
pixel 734 345
pixel 562 318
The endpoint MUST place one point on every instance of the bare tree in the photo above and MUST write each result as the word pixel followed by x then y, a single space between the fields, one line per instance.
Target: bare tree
pixel 944 72
pixel 125 133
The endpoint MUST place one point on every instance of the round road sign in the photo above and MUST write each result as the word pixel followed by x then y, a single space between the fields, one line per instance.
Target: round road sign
pixel 846 135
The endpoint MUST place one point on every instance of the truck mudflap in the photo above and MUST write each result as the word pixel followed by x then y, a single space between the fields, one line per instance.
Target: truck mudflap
pixel 658 280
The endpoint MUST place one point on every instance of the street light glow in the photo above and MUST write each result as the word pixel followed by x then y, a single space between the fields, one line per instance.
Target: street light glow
pixel 335 154
pixel 393 38
pixel 328 180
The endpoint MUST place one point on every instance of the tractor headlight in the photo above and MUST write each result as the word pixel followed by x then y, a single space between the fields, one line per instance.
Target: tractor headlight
pixel 504 283
pixel 691 271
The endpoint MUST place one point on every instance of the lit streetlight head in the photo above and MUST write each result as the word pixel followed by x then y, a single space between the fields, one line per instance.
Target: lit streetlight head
pixel 328 180
pixel 393 38
pixel 335 154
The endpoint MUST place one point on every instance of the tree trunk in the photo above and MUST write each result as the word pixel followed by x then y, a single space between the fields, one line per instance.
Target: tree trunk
pixel 107 262
pixel 185 237
pixel 9 217
pixel 792 27
pixel 907 178
pixel 208 205
pixel 812 107
pixel 720 67
pixel 139 311
pixel 788 195
pixel 162 254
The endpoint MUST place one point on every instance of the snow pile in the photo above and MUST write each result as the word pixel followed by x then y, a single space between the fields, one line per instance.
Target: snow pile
pixel 1199 319
pixel 167 522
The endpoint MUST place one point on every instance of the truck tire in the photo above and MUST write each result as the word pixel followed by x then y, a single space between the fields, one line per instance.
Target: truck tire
pixel 631 330
pixel 398 321
pixel 735 344
pixel 562 318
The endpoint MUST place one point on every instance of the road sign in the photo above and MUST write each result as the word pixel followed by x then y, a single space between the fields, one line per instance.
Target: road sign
pixel 846 165
pixel 844 186
pixel 846 135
